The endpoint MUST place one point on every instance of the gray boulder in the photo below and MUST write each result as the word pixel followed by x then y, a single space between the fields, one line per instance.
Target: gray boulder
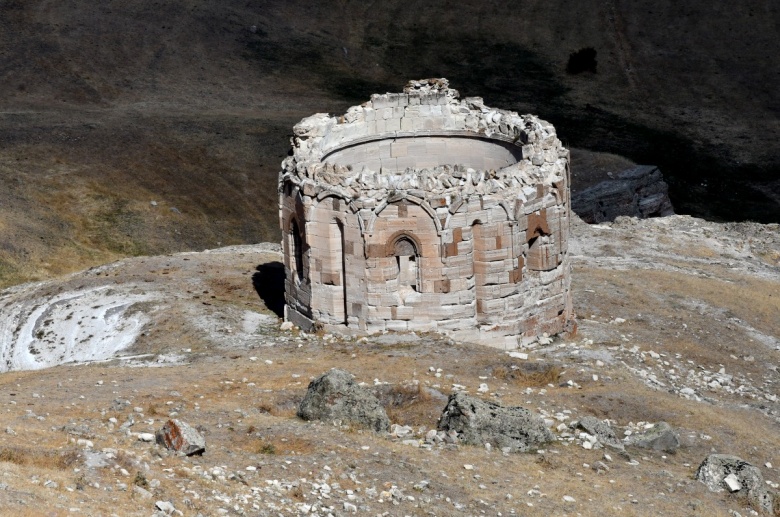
pixel 716 468
pixel 478 422
pixel 336 397
pixel 660 437
pixel 602 431
pixel 638 192
pixel 181 437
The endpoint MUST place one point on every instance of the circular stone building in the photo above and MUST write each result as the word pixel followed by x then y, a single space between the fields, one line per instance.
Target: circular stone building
pixel 420 211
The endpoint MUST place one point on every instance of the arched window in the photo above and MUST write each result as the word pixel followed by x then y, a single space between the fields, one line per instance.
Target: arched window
pixel 405 253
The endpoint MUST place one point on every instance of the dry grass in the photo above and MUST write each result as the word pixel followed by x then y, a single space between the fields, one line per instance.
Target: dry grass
pixel 527 375
pixel 753 300
pixel 39 458
pixel 283 404
pixel 409 404
pixel 272 444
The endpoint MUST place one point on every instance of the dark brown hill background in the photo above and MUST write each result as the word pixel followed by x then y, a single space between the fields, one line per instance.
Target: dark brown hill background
pixel 108 106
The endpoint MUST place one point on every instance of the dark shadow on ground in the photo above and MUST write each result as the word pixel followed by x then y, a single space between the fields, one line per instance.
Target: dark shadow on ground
pixel 269 284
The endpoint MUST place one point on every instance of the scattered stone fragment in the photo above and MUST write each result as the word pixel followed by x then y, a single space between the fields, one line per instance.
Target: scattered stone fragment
pixel 165 507
pixel 400 430
pixel 478 422
pixel 336 397
pixel 660 437
pixel 601 430
pixel 732 483
pixel 736 474
pixel 142 492
pixel 146 437
pixel 181 437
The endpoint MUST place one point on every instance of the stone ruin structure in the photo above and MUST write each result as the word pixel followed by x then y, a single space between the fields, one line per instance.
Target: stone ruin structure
pixel 420 211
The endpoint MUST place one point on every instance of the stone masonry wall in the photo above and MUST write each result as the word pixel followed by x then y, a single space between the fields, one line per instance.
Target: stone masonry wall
pixel 420 211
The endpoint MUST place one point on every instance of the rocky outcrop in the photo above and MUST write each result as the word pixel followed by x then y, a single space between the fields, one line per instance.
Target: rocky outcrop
pixel 638 192
pixel 336 397
pixel 721 471
pixel 181 437
pixel 478 422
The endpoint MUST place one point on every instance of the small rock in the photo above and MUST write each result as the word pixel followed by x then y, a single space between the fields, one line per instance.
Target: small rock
pixel 601 430
pixel 287 325
pixel 400 430
pixel 732 482
pixel 142 492
pixel 180 436
pixel 165 506
pixel 518 355
pixel 659 437
pixel 145 437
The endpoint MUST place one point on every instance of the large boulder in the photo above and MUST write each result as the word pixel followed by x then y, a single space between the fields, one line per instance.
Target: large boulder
pixel 638 192
pixel 181 437
pixel 602 431
pixel 660 437
pixel 721 471
pixel 478 422
pixel 336 397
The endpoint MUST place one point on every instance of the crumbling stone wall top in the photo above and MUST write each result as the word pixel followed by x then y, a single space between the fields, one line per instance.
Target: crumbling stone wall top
pixel 426 108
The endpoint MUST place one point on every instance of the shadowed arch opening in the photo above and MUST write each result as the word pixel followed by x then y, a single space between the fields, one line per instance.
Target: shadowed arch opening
pixel 296 241
pixel 406 257
pixel 334 273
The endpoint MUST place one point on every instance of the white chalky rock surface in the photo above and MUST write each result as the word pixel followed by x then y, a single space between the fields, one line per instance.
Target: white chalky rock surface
pixel 83 325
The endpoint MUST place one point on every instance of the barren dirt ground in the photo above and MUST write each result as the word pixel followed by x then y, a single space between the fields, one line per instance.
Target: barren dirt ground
pixel 679 320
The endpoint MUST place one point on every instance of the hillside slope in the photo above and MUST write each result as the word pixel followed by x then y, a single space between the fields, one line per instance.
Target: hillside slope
pixel 678 322
pixel 107 107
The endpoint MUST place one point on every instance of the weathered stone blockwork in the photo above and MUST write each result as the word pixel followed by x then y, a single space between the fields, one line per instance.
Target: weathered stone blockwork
pixel 420 211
